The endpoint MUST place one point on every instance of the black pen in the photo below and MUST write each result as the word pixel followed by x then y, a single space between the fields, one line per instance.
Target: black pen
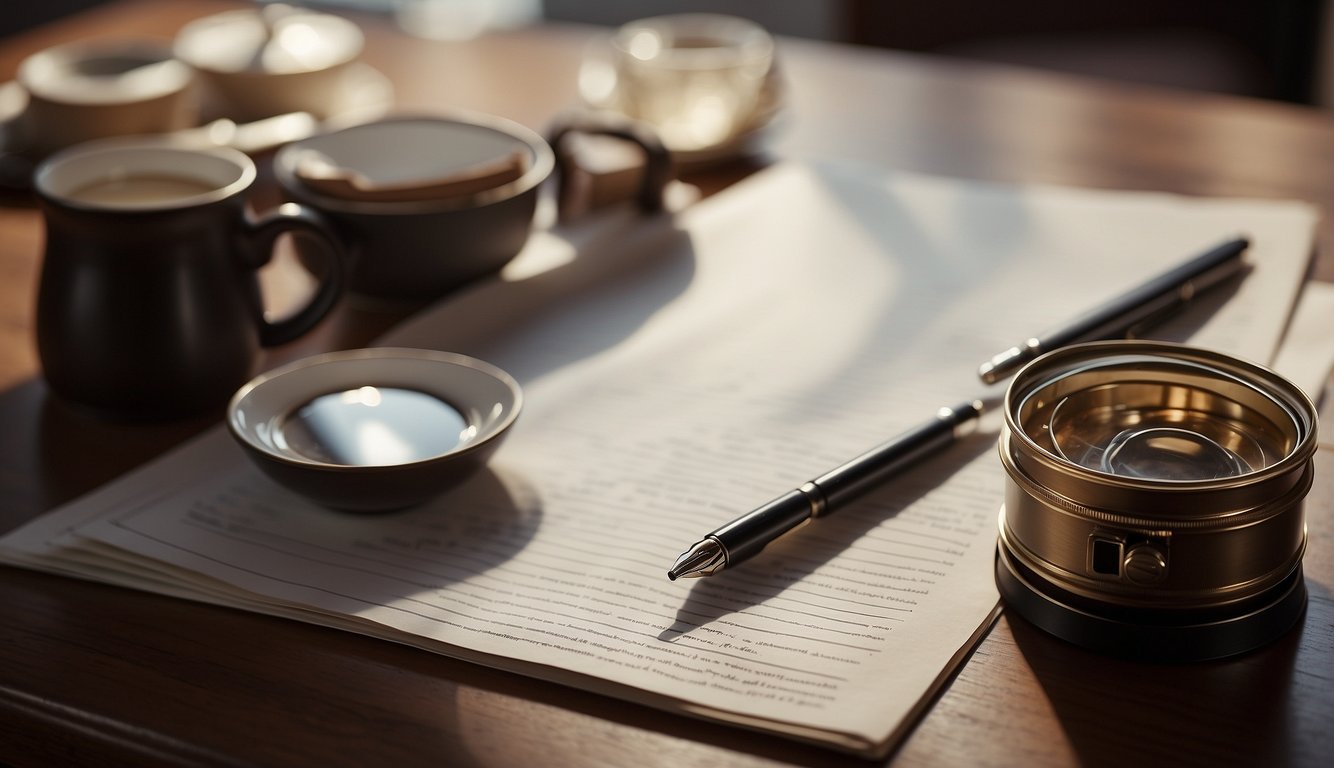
pixel 1139 306
pixel 745 536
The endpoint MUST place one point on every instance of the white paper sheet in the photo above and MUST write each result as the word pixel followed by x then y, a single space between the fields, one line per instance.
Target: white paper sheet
pixel 1306 354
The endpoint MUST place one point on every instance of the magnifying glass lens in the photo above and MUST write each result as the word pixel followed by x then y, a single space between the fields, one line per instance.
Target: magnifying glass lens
pixel 1145 439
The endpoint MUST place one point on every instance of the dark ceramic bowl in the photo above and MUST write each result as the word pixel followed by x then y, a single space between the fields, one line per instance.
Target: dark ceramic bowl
pixel 421 249
pixel 371 430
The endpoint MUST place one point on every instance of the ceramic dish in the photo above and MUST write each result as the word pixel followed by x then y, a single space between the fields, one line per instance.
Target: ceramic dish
pixel 367 95
pixel 364 94
pixel 374 429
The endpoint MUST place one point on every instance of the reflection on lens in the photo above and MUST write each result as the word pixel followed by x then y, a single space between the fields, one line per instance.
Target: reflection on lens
pixel 1137 436
pixel 1167 453
pixel 1153 505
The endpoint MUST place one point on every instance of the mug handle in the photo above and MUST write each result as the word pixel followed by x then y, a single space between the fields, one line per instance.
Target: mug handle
pixel 264 232
pixel 658 166
pixel 16 165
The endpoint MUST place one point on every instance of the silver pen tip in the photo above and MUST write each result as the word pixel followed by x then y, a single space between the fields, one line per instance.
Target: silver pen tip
pixel 705 558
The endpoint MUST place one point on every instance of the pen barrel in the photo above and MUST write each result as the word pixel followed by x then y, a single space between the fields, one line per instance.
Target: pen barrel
pixel 1151 301
pixel 873 468
pixel 747 535
pixel 1137 308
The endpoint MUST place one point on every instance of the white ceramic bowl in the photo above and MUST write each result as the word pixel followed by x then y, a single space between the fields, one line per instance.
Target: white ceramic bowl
pixel 272 60
pixel 374 429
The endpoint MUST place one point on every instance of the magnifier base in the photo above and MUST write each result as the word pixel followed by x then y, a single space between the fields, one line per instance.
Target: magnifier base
pixel 1164 636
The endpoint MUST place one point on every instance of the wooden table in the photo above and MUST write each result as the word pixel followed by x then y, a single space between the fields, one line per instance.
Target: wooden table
pixel 96 675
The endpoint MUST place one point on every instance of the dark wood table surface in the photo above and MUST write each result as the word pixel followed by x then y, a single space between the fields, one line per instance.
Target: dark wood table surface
pixel 95 675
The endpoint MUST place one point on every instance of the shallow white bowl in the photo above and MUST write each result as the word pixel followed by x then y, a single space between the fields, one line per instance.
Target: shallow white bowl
pixel 324 427
pixel 269 61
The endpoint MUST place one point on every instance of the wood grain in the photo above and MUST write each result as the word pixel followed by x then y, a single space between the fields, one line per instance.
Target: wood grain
pixel 94 675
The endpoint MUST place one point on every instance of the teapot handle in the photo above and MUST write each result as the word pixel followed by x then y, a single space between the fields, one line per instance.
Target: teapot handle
pixel 659 168
pixel 299 220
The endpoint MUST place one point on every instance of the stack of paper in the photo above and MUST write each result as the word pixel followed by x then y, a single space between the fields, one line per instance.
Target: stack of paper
pixel 678 372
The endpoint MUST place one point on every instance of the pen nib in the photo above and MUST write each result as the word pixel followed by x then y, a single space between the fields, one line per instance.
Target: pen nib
pixel 704 559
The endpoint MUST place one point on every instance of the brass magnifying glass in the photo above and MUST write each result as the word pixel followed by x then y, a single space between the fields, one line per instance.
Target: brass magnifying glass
pixel 1154 500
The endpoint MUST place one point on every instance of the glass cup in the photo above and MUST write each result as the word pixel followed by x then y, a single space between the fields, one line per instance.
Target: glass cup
pixel 696 78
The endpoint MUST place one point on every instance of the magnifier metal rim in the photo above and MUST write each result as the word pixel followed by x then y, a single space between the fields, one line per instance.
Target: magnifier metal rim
pixel 1038 376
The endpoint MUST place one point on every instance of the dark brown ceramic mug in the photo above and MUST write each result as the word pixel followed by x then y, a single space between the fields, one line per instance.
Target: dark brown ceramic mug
pixel 149 303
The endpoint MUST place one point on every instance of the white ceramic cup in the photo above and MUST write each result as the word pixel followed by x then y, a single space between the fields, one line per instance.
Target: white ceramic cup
pixel 89 90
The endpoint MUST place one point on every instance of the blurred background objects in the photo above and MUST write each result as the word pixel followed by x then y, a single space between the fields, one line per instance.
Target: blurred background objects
pixel 1271 49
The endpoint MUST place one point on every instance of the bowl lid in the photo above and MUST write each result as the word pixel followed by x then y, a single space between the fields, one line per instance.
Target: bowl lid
pixel 410 162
